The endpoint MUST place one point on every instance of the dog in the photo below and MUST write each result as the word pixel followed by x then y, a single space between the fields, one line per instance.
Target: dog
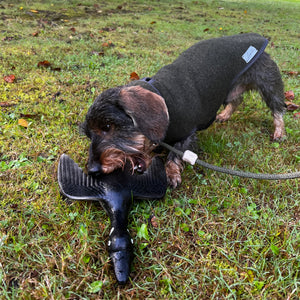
pixel 127 123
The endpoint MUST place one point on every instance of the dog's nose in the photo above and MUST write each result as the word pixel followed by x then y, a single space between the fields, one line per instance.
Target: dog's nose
pixel 94 169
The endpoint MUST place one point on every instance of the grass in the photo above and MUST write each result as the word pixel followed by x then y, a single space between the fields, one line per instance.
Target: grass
pixel 216 237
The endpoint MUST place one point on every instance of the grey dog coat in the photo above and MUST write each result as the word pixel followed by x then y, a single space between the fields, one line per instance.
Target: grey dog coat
pixel 198 82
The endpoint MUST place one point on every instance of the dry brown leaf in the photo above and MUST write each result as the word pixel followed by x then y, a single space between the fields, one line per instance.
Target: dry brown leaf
pixel 10 78
pixel 6 104
pixel 108 44
pixel 153 221
pixel 289 95
pixel 44 63
pixel 290 106
pixel 291 73
pixel 28 116
pixel 297 115
pixel 134 76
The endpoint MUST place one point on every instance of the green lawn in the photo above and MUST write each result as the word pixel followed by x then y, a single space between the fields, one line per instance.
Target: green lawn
pixel 217 237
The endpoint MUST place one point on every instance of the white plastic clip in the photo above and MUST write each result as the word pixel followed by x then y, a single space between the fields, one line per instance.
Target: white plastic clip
pixel 189 157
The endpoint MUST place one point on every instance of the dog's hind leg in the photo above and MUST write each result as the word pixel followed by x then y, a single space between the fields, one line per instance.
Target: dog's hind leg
pixel 233 100
pixel 269 84
pixel 279 131
pixel 263 76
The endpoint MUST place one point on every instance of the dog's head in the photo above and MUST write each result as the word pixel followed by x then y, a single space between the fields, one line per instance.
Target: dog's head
pixel 124 124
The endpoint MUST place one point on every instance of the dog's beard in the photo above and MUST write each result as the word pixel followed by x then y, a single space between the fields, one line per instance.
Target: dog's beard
pixel 137 153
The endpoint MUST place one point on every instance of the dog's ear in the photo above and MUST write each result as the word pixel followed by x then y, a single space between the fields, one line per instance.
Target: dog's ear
pixel 147 110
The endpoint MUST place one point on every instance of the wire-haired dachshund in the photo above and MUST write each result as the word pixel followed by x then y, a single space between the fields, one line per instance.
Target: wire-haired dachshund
pixel 127 123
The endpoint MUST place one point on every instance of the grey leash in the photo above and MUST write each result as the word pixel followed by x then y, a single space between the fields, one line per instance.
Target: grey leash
pixel 191 158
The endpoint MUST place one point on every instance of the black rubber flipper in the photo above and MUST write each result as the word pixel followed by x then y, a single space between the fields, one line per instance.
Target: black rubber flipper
pixel 76 185
pixel 115 191
pixel 151 184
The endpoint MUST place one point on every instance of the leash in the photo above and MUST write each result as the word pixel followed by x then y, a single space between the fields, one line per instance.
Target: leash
pixel 192 158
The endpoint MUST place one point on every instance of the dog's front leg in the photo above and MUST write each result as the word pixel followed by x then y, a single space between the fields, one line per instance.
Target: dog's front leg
pixel 174 165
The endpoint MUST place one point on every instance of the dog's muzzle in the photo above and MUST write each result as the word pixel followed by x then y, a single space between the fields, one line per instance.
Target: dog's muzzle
pixel 95 168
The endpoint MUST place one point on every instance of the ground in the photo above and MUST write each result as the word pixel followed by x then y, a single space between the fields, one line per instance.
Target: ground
pixel 216 237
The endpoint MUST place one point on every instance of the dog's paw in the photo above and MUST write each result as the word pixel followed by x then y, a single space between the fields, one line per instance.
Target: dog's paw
pixel 278 135
pixel 174 180
pixel 173 172
pixel 223 116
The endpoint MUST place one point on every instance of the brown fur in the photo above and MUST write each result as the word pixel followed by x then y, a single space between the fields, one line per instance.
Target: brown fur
pixel 173 171
pixel 113 158
pixel 148 111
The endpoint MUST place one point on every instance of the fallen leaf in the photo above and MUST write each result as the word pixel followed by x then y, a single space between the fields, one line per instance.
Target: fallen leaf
pixel 169 52
pixel 44 64
pixel 153 22
pixel 35 33
pixel 108 44
pixel 10 78
pixel 297 115
pixel 47 64
pixel 23 123
pixel 291 73
pixel 6 104
pixel 290 106
pixel 134 76
pixel 73 29
pixel 289 95
pixel 34 11
pixel 57 69
pixel 153 221
pixel 28 116
pixel 206 29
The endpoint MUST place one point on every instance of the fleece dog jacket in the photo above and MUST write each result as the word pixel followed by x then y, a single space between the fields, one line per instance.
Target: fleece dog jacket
pixel 198 82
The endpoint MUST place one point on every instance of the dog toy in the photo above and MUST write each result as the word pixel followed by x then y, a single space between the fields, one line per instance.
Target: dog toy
pixel 115 192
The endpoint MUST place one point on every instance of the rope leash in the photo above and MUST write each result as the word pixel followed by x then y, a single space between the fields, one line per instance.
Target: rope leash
pixel 192 158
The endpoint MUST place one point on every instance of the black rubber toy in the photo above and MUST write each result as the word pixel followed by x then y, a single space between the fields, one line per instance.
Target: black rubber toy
pixel 115 191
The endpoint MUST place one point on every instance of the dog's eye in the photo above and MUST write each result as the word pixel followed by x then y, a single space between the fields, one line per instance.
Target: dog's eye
pixel 106 127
